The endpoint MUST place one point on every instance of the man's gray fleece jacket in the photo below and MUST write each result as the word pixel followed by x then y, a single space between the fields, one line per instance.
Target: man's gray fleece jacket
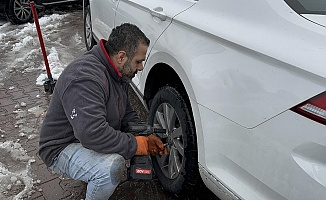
pixel 89 105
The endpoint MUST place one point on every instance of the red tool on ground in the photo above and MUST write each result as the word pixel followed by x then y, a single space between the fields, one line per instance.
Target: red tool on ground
pixel 50 82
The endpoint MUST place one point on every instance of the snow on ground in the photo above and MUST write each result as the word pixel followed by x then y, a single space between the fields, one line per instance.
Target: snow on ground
pixel 15 41
pixel 19 180
pixel 20 50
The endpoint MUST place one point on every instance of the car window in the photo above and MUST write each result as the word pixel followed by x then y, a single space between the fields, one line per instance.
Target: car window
pixel 308 6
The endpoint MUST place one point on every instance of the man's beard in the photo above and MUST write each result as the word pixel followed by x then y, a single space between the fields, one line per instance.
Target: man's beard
pixel 126 70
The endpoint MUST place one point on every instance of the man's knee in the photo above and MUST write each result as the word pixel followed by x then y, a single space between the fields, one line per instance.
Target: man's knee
pixel 118 169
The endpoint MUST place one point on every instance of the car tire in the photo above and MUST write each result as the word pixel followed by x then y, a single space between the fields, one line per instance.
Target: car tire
pixel 18 13
pixel 177 172
pixel 88 34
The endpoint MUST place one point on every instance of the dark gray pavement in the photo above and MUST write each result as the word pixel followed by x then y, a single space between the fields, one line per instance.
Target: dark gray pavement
pixel 46 184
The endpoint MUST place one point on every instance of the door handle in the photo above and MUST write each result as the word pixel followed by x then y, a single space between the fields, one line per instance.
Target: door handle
pixel 158 12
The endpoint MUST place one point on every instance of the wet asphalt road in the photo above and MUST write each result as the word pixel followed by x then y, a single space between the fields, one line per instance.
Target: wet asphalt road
pixel 127 190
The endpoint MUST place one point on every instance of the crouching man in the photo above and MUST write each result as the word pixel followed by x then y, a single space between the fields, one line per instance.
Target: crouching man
pixel 83 133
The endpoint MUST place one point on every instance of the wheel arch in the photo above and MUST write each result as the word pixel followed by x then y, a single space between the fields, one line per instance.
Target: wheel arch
pixel 161 75
pixel 168 71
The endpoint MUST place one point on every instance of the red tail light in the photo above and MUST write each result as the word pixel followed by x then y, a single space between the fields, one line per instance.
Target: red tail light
pixel 314 108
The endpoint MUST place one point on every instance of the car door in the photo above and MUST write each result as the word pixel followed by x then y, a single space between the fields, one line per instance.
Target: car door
pixel 151 16
pixel 103 18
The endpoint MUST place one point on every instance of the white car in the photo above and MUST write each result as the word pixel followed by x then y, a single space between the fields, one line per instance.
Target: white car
pixel 240 86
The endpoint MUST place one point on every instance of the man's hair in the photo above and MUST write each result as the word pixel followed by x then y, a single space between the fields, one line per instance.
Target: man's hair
pixel 126 37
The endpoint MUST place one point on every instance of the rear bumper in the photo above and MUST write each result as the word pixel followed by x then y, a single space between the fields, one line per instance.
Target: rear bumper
pixel 283 158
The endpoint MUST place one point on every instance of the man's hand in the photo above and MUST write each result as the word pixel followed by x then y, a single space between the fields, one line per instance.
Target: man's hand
pixel 155 145
pixel 142 145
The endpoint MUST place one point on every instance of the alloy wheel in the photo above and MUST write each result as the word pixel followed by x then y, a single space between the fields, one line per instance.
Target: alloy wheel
pixel 167 118
pixel 22 10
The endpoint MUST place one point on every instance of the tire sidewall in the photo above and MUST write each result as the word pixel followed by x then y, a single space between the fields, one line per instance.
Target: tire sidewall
pixel 188 175
pixel 88 13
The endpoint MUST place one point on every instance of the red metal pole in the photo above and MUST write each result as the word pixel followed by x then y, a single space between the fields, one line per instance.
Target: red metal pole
pixel 32 5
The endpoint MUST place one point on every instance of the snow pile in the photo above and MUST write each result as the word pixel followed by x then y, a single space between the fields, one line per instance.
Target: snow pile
pixel 16 183
pixel 51 24
pixel 17 44
pixel 26 41
pixel 3 33
pixel 78 39
pixel 55 65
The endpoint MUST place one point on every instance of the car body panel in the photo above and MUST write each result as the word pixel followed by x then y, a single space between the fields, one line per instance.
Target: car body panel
pixel 157 15
pixel 103 18
pixel 244 85
pixel 243 69
pixel 261 163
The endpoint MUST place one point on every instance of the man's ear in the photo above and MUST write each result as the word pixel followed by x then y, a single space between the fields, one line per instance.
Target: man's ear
pixel 121 57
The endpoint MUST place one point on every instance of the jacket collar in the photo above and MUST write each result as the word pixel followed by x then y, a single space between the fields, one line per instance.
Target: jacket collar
pixel 102 42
